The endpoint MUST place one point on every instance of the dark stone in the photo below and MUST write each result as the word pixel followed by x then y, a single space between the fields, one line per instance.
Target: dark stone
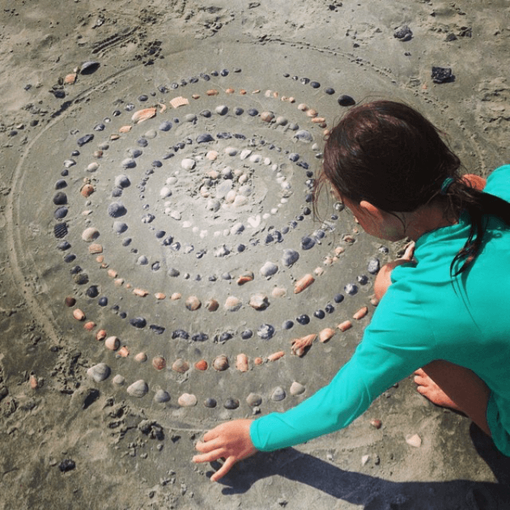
pixel 67 465
pixel 442 75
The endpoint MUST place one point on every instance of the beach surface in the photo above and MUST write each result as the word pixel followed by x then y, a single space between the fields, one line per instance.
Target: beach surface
pixel 157 162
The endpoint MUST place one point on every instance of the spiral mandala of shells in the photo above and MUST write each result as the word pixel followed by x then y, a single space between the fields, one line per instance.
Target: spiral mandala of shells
pixel 187 260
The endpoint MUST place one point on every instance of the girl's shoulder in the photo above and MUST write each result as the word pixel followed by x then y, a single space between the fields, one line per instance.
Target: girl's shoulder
pixel 498 183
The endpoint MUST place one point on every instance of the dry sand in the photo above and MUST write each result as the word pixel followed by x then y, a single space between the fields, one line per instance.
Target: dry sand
pixel 130 452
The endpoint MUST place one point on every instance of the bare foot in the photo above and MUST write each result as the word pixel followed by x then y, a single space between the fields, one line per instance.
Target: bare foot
pixel 430 390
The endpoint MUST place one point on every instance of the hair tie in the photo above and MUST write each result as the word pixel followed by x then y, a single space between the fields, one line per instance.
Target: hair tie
pixel 446 185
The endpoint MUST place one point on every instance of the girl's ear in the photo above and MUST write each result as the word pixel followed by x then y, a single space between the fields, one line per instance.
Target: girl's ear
pixel 372 210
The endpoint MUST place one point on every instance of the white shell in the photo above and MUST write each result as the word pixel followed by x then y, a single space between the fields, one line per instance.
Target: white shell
pixel 161 396
pixel 138 389
pixel 99 372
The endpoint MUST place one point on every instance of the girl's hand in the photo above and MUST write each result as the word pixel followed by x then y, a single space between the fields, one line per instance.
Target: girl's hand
pixel 383 279
pixel 230 441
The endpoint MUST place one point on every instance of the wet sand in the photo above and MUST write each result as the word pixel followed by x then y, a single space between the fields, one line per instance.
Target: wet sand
pixel 230 205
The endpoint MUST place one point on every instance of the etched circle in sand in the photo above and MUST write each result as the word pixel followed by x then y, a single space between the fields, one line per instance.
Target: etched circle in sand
pixel 166 230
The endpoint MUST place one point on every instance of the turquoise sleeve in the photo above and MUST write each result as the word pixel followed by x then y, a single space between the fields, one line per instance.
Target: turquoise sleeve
pixel 386 355
pixel 330 409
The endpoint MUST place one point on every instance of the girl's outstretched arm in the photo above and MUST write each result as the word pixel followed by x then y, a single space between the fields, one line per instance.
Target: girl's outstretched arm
pixel 230 441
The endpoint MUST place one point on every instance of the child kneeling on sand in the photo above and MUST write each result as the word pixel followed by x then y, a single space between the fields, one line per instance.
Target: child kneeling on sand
pixel 440 317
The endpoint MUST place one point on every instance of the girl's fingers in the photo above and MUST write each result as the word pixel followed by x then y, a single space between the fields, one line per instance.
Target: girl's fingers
pixel 210 434
pixel 409 251
pixel 207 446
pixel 210 456
pixel 227 466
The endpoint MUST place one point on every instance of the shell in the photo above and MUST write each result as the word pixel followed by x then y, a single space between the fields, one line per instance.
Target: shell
pixel 159 295
pixel 70 79
pixel 89 67
pixel 141 357
pixel 89 234
pixel 253 399
pixel 34 383
pixel 201 365
pixel 362 312
pixel 301 345
pixel 70 301
pixel 181 366
pixel 212 305
pixel 138 389
pixel 101 335
pixel 87 190
pixel 119 380
pixel 344 326
pixel 266 331
pixel 193 303
pixel 231 403
pixel 220 363
pixel 210 402
pixel 176 102
pixel 376 423
pixel 112 343
pixel 175 296
pixel 123 352
pixel 413 440
pixel 143 115
pixel 187 400
pixel 125 129
pixel 259 301
pixel 161 396
pixel 89 326
pixel 267 116
pixel 245 278
pixel 99 372
pixel 326 334
pixel 242 363
pixel 303 283
pixel 158 362
pixel 276 355
pixel 297 388
pixel 289 257
pixel 95 248
pixel 140 292
pixel 78 314
pixel 268 269
pixel 278 394
pixel 232 304
pixel 278 292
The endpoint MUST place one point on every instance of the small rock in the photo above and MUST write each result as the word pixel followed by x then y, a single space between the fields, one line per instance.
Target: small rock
pixel 138 389
pixel 187 400
pixel 297 388
pixel 413 440
pixel 403 33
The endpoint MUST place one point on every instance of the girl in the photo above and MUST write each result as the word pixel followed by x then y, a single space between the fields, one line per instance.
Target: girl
pixel 443 313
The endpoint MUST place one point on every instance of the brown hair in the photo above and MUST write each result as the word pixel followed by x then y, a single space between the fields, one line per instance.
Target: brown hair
pixel 388 154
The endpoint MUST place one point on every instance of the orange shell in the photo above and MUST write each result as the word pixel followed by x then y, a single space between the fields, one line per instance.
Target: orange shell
pixel 344 326
pixel 78 315
pixel 242 363
pixel 360 313
pixel 142 115
pixel 201 365
pixel 274 356
pixel 303 283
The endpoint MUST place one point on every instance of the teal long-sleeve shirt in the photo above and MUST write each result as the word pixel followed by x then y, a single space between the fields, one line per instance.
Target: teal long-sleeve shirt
pixel 425 315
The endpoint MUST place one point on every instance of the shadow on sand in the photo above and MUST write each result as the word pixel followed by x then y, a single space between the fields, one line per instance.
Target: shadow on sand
pixel 374 493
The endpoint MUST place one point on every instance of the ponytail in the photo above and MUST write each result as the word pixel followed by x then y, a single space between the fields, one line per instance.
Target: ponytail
pixel 461 195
